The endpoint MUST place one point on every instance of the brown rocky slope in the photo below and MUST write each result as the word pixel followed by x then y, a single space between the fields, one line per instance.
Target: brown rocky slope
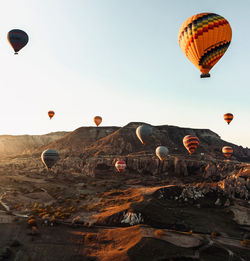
pixel 124 142
pixel 19 144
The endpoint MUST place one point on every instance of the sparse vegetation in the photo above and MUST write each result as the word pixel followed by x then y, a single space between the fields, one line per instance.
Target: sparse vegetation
pixel 89 237
pixel 245 242
pixel 32 221
pixel 159 233
pixel 214 234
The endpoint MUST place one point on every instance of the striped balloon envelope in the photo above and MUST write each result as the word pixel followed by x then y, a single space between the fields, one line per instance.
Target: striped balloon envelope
pixel 228 117
pixel 97 120
pixel 120 165
pixel 227 151
pixel 191 143
pixel 204 38
pixel 51 114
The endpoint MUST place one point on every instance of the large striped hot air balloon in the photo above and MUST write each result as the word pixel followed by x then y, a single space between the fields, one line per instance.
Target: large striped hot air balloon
pixel 228 117
pixel 191 143
pixel 97 120
pixel 227 151
pixel 120 165
pixel 204 38
pixel 17 39
pixel 49 158
pixel 51 114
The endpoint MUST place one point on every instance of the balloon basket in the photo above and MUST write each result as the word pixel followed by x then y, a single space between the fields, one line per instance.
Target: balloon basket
pixel 205 75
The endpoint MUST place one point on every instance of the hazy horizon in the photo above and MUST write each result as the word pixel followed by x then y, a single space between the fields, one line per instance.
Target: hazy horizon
pixel 120 60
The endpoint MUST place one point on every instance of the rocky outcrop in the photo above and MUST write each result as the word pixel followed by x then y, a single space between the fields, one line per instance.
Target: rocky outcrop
pixel 149 164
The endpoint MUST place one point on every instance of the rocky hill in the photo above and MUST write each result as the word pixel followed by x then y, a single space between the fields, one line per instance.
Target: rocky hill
pixel 184 208
pixel 86 142
pixel 110 141
pixel 93 151
pixel 20 144
pixel 78 140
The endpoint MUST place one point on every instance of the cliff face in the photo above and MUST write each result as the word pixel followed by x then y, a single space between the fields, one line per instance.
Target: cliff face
pixel 173 166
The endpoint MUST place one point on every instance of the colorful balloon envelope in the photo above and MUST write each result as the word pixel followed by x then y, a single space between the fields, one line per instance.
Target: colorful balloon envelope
pixel 17 39
pixel 51 114
pixel 49 158
pixel 204 38
pixel 97 120
pixel 143 132
pixel 227 151
pixel 161 152
pixel 191 143
pixel 228 117
pixel 120 165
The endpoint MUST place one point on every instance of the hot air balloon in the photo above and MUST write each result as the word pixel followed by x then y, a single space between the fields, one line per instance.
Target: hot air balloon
pixel 49 158
pixel 161 152
pixel 227 151
pixel 51 114
pixel 191 143
pixel 228 117
pixel 97 120
pixel 17 39
pixel 204 38
pixel 120 165
pixel 143 132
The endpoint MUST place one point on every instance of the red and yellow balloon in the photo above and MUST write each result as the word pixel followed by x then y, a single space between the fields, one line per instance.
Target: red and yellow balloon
pixel 228 117
pixel 227 151
pixel 204 38
pixel 51 114
pixel 97 120
pixel 191 143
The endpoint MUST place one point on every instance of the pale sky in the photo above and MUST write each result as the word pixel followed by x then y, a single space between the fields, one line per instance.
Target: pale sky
pixel 119 59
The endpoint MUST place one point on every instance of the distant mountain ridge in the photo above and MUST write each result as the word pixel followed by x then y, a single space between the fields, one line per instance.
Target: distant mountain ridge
pixel 98 141
pixel 19 144
pixel 79 139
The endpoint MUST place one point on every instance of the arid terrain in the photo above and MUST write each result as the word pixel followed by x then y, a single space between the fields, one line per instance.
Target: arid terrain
pixel 184 208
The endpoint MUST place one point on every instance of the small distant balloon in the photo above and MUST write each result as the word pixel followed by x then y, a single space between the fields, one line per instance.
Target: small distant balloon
pixel 161 152
pixel 227 151
pixel 49 158
pixel 97 120
pixel 51 114
pixel 191 143
pixel 143 132
pixel 228 117
pixel 120 165
pixel 17 39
